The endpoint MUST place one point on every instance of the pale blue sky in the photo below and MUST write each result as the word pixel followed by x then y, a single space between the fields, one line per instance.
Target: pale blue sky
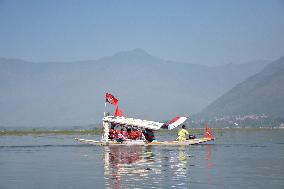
pixel 203 32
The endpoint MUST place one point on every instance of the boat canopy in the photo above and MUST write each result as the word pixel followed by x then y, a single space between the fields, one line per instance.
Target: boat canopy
pixel 132 122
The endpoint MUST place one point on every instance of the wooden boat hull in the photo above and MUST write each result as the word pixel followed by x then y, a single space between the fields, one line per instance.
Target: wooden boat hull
pixel 140 142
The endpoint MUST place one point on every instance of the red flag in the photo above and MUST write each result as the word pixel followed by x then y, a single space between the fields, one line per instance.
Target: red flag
pixel 118 112
pixel 111 99
pixel 207 131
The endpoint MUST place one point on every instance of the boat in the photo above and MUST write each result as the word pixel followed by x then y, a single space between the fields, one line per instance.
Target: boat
pixel 143 143
pixel 138 130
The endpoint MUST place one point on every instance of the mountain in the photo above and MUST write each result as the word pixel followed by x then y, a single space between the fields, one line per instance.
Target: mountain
pixel 42 94
pixel 262 93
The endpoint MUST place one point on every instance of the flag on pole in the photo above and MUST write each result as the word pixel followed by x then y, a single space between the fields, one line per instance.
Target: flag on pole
pixel 118 112
pixel 207 131
pixel 111 99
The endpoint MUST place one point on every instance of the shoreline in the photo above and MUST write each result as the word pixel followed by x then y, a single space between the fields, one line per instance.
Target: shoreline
pixel 98 131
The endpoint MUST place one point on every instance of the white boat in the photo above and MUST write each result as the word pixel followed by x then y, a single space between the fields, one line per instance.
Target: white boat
pixel 140 125
pixel 144 143
pixel 143 129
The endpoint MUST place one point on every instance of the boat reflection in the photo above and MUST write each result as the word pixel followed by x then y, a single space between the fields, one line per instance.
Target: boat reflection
pixel 208 156
pixel 151 166
pixel 123 163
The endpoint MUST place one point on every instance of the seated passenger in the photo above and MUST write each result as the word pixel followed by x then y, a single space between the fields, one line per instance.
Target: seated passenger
pixel 124 133
pixel 149 135
pixel 112 132
pixel 131 134
pixel 128 130
pixel 139 134
pixel 120 136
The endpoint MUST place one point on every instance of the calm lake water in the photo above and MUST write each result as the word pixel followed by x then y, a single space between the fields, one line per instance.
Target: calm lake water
pixel 237 159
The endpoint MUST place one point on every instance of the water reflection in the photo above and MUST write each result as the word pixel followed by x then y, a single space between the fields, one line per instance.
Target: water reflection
pixel 179 169
pixel 149 166
pixel 208 156
pixel 124 164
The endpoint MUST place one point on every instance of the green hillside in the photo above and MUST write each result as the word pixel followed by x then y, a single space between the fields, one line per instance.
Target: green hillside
pixel 262 93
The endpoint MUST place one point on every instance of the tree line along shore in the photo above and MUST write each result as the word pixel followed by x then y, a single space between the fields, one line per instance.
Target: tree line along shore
pixel 98 131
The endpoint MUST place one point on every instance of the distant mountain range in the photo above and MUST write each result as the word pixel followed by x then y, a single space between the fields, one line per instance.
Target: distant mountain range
pixel 35 94
pixel 262 93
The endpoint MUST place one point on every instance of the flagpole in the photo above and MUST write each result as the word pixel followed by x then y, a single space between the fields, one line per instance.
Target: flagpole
pixel 105 104
pixel 105 127
pixel 105 109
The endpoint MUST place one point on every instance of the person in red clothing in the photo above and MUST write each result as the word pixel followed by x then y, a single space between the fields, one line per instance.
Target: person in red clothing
pixel 120 136
pixel 134 135
pixel 112 132
pixel 129 133
pixel 125 134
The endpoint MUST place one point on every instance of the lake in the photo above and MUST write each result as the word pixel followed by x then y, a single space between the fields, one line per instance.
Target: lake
pixel 238 158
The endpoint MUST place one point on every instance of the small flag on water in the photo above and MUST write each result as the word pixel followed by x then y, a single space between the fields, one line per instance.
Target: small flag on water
pixel 207 131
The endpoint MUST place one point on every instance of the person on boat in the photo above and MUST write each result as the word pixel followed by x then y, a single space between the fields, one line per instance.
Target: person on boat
pixel 149 135
pixel 182 134
pixel 125 134
pixel 112 132
pixel 120 136
pixel 133 134
pixel 130 134
pixel 139 134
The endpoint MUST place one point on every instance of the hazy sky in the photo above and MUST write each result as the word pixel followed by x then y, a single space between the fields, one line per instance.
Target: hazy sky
pixel 203 32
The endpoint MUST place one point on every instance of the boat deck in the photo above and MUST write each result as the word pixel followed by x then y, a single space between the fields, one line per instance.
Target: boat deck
pixel 141 142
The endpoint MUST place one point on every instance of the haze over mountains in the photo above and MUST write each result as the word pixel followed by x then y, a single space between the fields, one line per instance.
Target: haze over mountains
pixel 262 93
pixel 72 93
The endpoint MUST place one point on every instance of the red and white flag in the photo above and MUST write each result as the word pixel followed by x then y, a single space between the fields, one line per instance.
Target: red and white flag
pixel 207 131
pixel 118 112
pixel 111 99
